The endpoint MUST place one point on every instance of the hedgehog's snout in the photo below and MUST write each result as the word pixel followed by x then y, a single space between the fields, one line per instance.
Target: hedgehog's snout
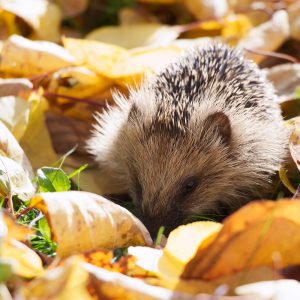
pixel 165 219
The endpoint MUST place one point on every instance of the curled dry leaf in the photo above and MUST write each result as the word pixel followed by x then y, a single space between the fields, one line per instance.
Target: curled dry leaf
pixel 82 221
pixel 78 280
pixel 78 82
pixel 268 36
pixel 9 147
pixel 42 16
pixel 138 35
pixel 14 86
pixel 207 9
pixel 14 180
pixel 24 57
pixel 14 113
pixel 260 224
pixel 286 80
pixel 24 261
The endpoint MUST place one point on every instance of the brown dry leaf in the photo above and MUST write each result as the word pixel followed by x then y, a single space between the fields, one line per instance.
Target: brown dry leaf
pixel 286 80
pixel 100 57
pixel 14 86
pixel 260 224
pixel 138 35
pixel 71 8
pixel 42 16
pixel 268 36
pixel 24 57
pixel 82 221
pixel 205 10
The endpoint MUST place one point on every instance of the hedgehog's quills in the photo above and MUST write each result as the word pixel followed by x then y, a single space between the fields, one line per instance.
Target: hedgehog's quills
pixel 201 138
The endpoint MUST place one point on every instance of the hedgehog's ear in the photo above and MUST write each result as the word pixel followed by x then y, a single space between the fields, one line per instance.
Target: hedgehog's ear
pixel 220 123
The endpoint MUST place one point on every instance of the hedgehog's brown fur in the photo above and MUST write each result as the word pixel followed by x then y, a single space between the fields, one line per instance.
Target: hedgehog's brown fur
pixel 203 135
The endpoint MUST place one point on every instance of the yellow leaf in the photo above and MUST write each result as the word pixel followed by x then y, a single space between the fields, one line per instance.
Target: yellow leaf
pixel 259 223
pixel 78 82
pixel 42 16
pixel 36 140
pixel 24 57
pixel 98 56
pixel 183 243
pixel 235 28
pixel 93 221
pixel 151 60
pixel 26 262
pixel 283 177
pixel 138 35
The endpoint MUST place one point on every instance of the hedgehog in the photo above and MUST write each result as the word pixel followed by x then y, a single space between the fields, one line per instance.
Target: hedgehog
pixel 198 140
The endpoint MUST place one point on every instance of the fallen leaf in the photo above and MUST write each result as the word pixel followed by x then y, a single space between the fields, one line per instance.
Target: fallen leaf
pixel 183 243
pixel 14 86
pixel 26 263
pixel 293 13
pixel 286 80
pixel 36 141
pixel 268 36
pixel 21 56
pixel 71 8
pixel 79 82
pixel 142 61
pixel 14 180
pixel 10 148
pixel 14 113
pixel 100 57
pixel 138 35
pixel 284 289
pixel 93 220
pixel 204 10
pixel 259 223
pixel 42 16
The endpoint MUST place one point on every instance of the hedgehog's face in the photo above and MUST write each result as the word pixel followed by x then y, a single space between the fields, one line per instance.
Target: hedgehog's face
pixel 175 176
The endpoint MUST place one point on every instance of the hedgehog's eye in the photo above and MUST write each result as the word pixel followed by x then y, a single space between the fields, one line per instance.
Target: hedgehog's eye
pixel 188 186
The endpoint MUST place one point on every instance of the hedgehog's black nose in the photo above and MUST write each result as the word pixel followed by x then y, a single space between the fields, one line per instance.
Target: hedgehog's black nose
pixel 153 224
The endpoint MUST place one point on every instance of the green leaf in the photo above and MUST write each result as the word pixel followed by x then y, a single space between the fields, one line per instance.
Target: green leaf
pixel 53 180
pixel 6 269
pixel 44 229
